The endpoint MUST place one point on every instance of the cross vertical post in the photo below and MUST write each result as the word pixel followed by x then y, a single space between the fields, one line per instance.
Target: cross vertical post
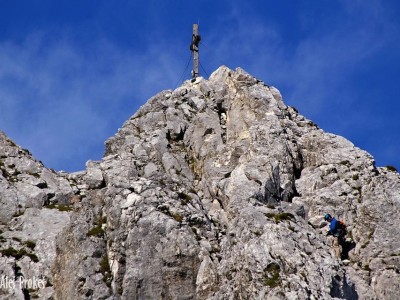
pixel 194 47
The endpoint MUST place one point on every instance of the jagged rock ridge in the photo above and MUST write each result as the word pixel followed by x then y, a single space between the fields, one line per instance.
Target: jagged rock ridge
pixel 215 190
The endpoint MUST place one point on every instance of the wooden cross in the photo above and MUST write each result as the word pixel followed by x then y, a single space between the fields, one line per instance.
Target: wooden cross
pixel 194 47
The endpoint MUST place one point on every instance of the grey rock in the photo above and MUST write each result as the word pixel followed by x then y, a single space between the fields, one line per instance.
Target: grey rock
pixel 94 176
pixel 28 229
pixel 215 190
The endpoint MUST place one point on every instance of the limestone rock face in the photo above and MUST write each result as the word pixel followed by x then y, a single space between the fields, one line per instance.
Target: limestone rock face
pixel 215 190
pixel 35 207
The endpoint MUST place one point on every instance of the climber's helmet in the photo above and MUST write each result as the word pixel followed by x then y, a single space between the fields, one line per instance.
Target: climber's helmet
pixel 327 217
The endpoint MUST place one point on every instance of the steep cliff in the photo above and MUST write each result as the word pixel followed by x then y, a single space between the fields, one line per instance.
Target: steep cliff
pixel 215 190
pixel 35 207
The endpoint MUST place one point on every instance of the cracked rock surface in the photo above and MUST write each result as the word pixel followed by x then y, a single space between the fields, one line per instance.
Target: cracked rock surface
pixel 215 190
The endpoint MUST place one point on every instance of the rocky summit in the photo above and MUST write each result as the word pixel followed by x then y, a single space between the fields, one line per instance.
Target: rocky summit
pixel 215 190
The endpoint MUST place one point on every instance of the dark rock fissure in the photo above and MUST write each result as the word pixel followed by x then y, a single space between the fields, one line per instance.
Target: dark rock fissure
pixel 341 288
pixel 222 114
pixel 273 193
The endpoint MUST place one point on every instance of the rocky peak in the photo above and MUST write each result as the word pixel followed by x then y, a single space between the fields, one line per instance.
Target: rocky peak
pixel 217 190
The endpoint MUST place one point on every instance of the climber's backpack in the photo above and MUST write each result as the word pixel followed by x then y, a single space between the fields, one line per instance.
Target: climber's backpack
pixel 341 228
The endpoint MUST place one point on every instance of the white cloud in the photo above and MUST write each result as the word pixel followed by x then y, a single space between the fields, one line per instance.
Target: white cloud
pixel 320 73
pixel 324 56
pixel 61 101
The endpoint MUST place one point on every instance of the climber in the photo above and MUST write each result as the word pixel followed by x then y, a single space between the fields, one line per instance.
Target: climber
pixel 338 230
pixel 194 46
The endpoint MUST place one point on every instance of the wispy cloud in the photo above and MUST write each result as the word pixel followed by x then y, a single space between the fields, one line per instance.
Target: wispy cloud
pixel 62 98
pixel 56 97
pixel 323 73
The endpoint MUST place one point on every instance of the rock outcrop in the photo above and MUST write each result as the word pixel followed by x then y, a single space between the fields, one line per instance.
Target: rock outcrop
pixel 215 190
pixel 35 207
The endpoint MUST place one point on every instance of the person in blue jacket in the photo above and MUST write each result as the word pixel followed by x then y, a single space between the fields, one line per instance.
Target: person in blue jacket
pixel 335 232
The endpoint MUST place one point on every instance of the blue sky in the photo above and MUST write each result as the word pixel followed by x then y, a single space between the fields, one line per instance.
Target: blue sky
pixel 71 72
